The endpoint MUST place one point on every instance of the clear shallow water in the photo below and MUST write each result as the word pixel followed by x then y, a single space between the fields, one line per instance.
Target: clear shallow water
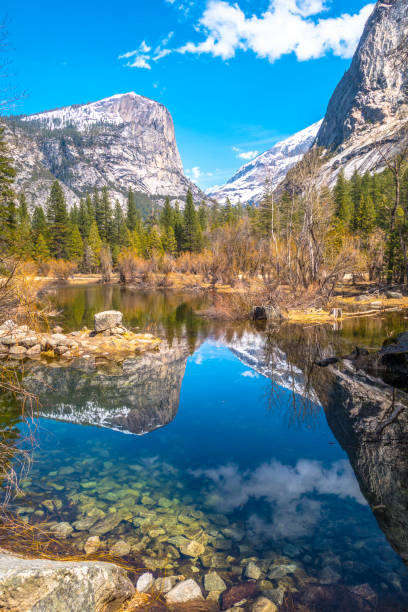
pixel 241 465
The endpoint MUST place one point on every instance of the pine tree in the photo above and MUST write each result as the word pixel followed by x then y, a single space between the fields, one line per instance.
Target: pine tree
pixel 166 217
pixel 367 215
pixel 7 204
pixel 119 234
pixel 342 199
pixel 155 244
pixel 74 215
pixel 76 246
pixel 227 213
pixel 41 251
pixel 84 220
pixel 192 238
pixel 356 191
pixel 57 216
pixel 23 214
pixel 105 229
pixel 90 207
pixel 132 214
pixel 89 260
pixel 39 223
pixel 170 242
pixel 95 244
pixel 203 216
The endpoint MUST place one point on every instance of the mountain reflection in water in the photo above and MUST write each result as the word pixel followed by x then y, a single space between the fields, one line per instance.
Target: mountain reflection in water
pixel 239 452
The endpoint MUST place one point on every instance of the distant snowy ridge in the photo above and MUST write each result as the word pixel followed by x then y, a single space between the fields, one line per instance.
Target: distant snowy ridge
pixel 248 184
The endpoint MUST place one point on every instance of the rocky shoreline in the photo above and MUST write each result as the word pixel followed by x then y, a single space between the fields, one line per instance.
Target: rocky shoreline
pixel 109 339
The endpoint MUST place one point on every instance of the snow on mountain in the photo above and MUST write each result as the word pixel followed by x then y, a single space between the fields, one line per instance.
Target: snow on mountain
pixel 250 349
pixel 112 110
pixel 248 184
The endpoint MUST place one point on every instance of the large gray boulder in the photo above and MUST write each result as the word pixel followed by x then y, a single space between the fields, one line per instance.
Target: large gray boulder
pixel 107 320
pixel 40 585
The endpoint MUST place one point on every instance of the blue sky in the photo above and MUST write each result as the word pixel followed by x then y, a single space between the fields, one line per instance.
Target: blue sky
pixel 236 77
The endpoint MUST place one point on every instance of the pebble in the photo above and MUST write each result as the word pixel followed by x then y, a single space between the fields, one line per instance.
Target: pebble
pixel 188 590
pixel 92 545
pixel 120 548
pixel 214 582
pixel 144 582
pixel 252 571
pixel 262 604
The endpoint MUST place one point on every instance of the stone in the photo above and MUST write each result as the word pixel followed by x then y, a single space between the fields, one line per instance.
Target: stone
pixel 48 586
pixel 30 340
pixel 277 571
pixel 34 350
pixel 85 524
pixel 57 340
pixel 120 549
pixel 92 545
pixel 144 582
pixel 165 584
pixel 107 524
pixel 62 530
pixel 252 571
pixel 237 593
pixel 187 590
pixel 262 604
pixel 17 351
pixel 57 329
pixel 394 295
pixel 191 548
pixel 60 350
pixel 107 320
pixel 328 575
pixel 214 582
pixel 8 325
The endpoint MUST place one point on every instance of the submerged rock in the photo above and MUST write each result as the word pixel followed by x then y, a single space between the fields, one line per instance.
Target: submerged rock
pixel 92 545
pixel 252 571
pixel 48 586
pixel 214 582
pixel 262 604
pixel 191 548
pixel 120 549
pixel 62 530
pixel 145 582
pixel 188 590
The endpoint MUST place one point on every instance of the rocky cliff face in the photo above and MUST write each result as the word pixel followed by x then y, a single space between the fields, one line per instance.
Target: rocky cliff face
pixel 370 104
pixel 142 396
pixel 373 431
pixel 248 183
pixel 125 141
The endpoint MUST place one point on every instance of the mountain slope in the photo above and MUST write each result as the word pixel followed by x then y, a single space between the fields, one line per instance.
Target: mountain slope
pixel 248 184
pixel 125 141
pixel 370 104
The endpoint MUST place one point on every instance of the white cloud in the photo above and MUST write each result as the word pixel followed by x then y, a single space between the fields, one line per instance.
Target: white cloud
pixel 250 374
pixel 288 490
pixel 284 28
pixel 248 155
pixel 141 56
pixel 195 173
pixel 140 62
pixel 287 26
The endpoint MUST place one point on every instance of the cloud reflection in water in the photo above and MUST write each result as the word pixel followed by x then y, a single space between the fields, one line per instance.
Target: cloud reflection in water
pixel 288 490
